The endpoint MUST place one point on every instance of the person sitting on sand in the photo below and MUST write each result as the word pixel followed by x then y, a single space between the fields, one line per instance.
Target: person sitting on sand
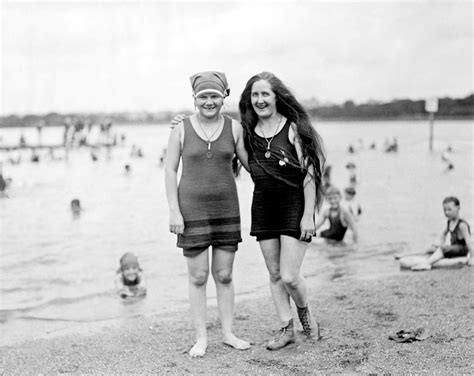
pixel 350 203
pixel 455 238
pixel 340 219
pixel 130 281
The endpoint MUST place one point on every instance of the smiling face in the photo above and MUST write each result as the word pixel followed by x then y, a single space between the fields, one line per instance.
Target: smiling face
pixel 451 210
pixel 334 199
pixel 130 272
pixel 209 104
pixel 263 99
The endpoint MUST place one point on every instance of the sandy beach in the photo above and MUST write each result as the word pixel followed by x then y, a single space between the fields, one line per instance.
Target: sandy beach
pixel 356 317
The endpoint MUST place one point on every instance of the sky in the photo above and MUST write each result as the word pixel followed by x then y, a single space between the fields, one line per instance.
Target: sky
pixel 104 56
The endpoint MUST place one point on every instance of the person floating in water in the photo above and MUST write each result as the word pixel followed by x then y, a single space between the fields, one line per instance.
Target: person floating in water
pixel 127 169
pixel 76 208
pixel 350 203
pixel 3 183
pixel 340 219
pixel 130 281
pixel 351 169
pixel 326 179
pixel 455 238
pixel 446 158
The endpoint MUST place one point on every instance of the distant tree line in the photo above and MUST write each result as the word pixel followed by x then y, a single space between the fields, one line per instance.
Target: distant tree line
pixel 449 108
pixel 397 109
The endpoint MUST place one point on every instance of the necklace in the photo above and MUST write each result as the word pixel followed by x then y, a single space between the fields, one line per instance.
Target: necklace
pixel 268 153
pixel 209 152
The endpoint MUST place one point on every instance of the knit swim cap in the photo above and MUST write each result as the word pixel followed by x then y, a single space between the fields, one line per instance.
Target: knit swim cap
pixel 128 259
pixel 210 82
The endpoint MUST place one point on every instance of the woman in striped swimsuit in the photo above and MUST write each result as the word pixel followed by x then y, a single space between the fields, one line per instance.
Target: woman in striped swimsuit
pixel 204 207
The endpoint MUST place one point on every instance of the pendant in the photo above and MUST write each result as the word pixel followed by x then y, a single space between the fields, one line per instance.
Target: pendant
pixel 268 154
pixel 209 153
pixel 281 163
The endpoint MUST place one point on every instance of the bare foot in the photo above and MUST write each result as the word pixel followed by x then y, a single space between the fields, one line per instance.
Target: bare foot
pixel 421 267
pixel 199 349
pixel 236 343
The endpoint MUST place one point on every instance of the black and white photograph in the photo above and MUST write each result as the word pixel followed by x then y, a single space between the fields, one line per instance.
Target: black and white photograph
pixel 236 187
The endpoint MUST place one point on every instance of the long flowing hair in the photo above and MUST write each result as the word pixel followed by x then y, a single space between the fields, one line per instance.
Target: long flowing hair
pixel 288 106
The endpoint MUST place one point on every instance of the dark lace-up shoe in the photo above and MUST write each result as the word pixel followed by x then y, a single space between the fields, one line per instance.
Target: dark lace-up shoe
pixel 310 327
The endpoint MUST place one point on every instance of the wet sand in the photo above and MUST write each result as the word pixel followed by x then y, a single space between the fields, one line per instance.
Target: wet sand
pixel 356 316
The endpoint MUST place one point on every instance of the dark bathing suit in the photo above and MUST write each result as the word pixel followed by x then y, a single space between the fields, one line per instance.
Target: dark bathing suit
pixel 336 230
pixel 207 193
pixel 461 249
pixel 278 197
pixel 126 282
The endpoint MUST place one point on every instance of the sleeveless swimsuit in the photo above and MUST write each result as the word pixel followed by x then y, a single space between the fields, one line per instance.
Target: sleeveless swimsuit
pixel 461 249
pixel 207 192
pixel 278 197
pixel 336 230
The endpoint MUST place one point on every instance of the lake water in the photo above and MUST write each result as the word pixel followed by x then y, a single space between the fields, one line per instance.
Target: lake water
pixel 57 270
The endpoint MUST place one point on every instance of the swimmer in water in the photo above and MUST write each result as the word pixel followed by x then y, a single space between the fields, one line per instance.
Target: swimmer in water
pixel 340 219
pixel 76 207
pixel 350 202
pixel 351 169
pixel 130 281
pixel 455 238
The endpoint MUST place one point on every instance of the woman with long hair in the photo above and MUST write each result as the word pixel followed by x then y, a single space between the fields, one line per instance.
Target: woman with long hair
pixel 286 161
pixel 204 207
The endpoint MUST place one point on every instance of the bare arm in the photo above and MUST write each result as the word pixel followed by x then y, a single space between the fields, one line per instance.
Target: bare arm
pixel 321 219
pixel 120 288
pixel 173 156
pixel 240 150
pixel 351 224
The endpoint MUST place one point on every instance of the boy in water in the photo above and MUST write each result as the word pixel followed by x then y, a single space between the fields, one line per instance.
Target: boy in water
pixel 340 219
pixel 350 202
pixel 455 238
pixel 130 280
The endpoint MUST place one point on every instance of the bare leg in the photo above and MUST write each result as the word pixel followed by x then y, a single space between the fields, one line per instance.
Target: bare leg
pixel 291 258
pixel 222 267
pixel 198 272
pixel 436 256
pixel 271 253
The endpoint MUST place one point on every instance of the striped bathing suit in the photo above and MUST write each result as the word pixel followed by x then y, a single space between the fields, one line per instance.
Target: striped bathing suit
pixel 207 192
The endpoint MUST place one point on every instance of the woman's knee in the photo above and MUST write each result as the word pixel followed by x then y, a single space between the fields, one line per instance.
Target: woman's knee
pixel 223 276
pixel 290 280
pixel 199 278
pixel 274 274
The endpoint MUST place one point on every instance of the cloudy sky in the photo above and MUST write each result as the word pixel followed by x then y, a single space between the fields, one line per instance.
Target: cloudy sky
pixel 69 56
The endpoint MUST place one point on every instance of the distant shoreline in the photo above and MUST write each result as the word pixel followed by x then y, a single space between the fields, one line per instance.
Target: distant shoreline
pixel 329 120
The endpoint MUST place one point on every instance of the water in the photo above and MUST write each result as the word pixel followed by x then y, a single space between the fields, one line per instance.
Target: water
pixel 56 270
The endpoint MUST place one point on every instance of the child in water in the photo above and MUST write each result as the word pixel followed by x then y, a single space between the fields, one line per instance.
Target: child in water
pixel 340 219
pixel 455 238
pixel 76 206
pixel 130 280
pixel 350 203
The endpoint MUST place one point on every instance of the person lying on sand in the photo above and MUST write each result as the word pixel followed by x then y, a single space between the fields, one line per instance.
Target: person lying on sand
pixel 455 238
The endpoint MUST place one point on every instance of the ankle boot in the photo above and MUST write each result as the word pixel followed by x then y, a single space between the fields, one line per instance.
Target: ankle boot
pixel 285 337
